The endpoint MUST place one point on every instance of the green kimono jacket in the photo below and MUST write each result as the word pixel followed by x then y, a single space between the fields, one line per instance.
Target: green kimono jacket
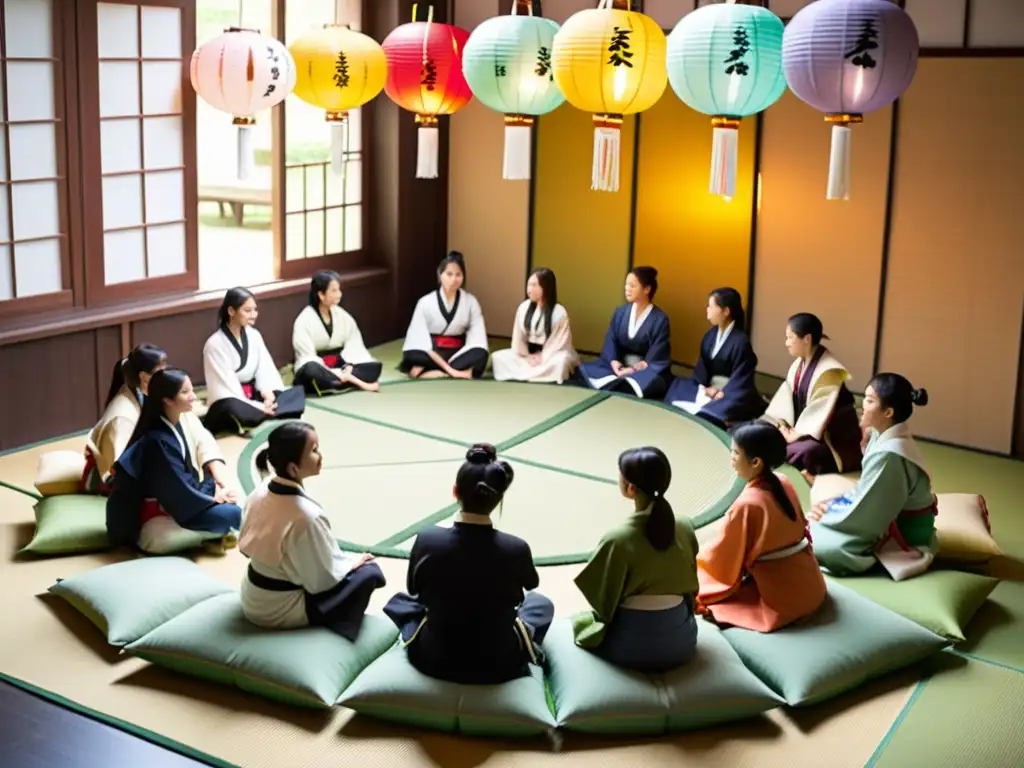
pixel 893 480
pixel 625 564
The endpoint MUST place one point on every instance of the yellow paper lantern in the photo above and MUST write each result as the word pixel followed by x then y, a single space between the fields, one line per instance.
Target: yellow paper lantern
pixel 338 69
pixel 611 62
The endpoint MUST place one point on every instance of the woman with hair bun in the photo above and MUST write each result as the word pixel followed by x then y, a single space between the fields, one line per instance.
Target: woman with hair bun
pixel 641 582
pixel 297 575
pixel 813 409
pixel 636 358
pixel 469 615
pixel 447 336
pixel 889 517
pixel 722 389
pixel 760 572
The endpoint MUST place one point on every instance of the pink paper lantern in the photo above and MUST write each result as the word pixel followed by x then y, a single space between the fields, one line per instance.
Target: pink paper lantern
pixel 847 58
pixel 242 72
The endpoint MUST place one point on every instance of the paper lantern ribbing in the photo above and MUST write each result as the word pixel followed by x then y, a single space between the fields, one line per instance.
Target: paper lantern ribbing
pixel 242 72
pixel 425 77
pixel 725 60
pixel 338 69
pixel 612 63
pixel 507 63
pixel 846 58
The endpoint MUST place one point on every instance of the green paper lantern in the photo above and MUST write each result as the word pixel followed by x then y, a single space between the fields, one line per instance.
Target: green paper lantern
pixel 507 63
pixel 725 60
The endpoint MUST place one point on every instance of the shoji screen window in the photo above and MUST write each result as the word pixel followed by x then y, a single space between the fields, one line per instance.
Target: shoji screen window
pixel 33 183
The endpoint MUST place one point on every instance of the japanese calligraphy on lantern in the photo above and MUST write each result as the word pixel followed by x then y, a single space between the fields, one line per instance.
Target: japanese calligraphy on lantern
pixel 741 41
pixel 275 71
pixel 500 70
pixel 341 76
pixel 428 74
pixel 620 54
pixel 866 41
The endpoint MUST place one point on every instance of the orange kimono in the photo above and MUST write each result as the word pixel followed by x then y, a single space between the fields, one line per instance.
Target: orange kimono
pixel 760 573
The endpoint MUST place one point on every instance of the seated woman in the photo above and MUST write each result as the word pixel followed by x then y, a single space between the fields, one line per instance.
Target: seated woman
pixel 636 358
pixel 642 580
pixel 159 502
pixel 890 516
pixel 240 372
pixel 468 616
pixel 813 408
pixel 447 336
pixel 722 388
pixel 297 575
pixel 760 573
pixel 329 352
pixel 542 348
pixel 108 439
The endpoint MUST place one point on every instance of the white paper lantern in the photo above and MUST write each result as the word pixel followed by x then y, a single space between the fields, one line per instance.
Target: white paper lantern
pixel 242 72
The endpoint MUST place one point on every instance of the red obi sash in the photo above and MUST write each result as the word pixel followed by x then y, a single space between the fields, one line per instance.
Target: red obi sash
pixel 448 342
pixel 330 360
pixel 89 485
pixel 249 390
pixel 893 532
pixel 150 510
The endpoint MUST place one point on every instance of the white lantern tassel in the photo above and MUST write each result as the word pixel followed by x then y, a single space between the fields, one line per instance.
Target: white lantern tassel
pixel 245 156
pixel 427 147
pixel 839 164
pixel 607 151
pixel 339 143
pixel 518 147
pixel 724 156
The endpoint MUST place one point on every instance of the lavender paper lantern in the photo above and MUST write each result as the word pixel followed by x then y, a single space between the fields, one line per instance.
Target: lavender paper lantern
pixel 846 58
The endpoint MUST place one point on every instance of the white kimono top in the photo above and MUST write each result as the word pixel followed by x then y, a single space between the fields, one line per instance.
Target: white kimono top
pixel 287 537
pixel 434 316
pixel 228 364
pixel 557 356
pixel 310 337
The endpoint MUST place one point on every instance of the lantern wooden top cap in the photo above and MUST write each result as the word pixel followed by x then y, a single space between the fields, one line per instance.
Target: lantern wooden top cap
pixel 241 29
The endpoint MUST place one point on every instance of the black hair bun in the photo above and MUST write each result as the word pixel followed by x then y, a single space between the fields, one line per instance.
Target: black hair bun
pixel 919 397
pixel 507 471
pixel 481 453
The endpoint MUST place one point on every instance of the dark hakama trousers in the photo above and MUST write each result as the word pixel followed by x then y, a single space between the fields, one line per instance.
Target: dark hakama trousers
pixel 475 360
pixel 650 641
pixel 231 415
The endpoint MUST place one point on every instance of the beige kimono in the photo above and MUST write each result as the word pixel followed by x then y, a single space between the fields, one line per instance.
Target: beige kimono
pixel 557 357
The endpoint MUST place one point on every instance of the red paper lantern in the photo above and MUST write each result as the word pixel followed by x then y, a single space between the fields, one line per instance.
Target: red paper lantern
pixel 425 77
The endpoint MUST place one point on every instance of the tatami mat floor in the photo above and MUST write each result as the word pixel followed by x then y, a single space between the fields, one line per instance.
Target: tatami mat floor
pixel 967 712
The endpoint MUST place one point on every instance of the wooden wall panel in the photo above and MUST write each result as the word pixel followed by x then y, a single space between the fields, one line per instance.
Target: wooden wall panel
pixel 488 217
pixel 668 12
pixel 813 254
pixel 581 234
pixel 956 277
pixel 698 241
pixel 996 24
pixel 107 345
pixel 940 23
pixel 560 10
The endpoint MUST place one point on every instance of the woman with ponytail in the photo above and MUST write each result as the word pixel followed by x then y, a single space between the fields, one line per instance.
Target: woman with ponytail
pixel 469 615
pixel 642 581
pixel 760 573
pixel 889 517
pixel 297 575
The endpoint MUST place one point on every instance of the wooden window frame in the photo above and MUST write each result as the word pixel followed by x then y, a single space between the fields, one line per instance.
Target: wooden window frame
pixel 65 122
pixel 96 289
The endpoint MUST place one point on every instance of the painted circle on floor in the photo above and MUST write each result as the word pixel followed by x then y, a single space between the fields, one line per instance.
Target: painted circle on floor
pixel 390 460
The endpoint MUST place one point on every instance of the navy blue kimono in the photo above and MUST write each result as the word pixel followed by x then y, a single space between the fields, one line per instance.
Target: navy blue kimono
pixel 651 344
pixel 737 362
pixel 154 467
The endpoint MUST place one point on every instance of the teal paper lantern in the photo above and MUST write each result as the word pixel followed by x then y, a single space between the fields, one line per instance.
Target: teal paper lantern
pixel 507 63
pixel 725 60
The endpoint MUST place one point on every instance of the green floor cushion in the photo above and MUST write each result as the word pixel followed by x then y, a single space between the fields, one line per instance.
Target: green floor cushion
pixel 392 689
pixel 593 696
pixel 69 525
pixel 60 472
pixel 307 667
pixel 940 600
pixel 848 641
pixel 127 600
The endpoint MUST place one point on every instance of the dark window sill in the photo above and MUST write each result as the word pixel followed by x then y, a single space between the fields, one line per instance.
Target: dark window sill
pixel 42 325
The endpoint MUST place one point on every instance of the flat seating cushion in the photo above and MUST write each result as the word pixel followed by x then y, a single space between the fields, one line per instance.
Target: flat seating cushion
pixel 60 472
pixel 307 667
pixel 393 689
pixel 848 641
pixel 940 600
pixel 594 696
pixel 130 599
pixel 962 525
pixel 68 525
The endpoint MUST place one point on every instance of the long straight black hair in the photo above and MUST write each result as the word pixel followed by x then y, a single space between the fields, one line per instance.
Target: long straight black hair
pixel 233 299
pixel 145 358
pixel 765 442
pixel 729 298
pixel 319 284
pixel 549 286
pixel 648 469
pixel 165 385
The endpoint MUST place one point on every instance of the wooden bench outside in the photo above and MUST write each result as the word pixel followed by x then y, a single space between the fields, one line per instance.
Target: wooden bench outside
pixel 237 198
